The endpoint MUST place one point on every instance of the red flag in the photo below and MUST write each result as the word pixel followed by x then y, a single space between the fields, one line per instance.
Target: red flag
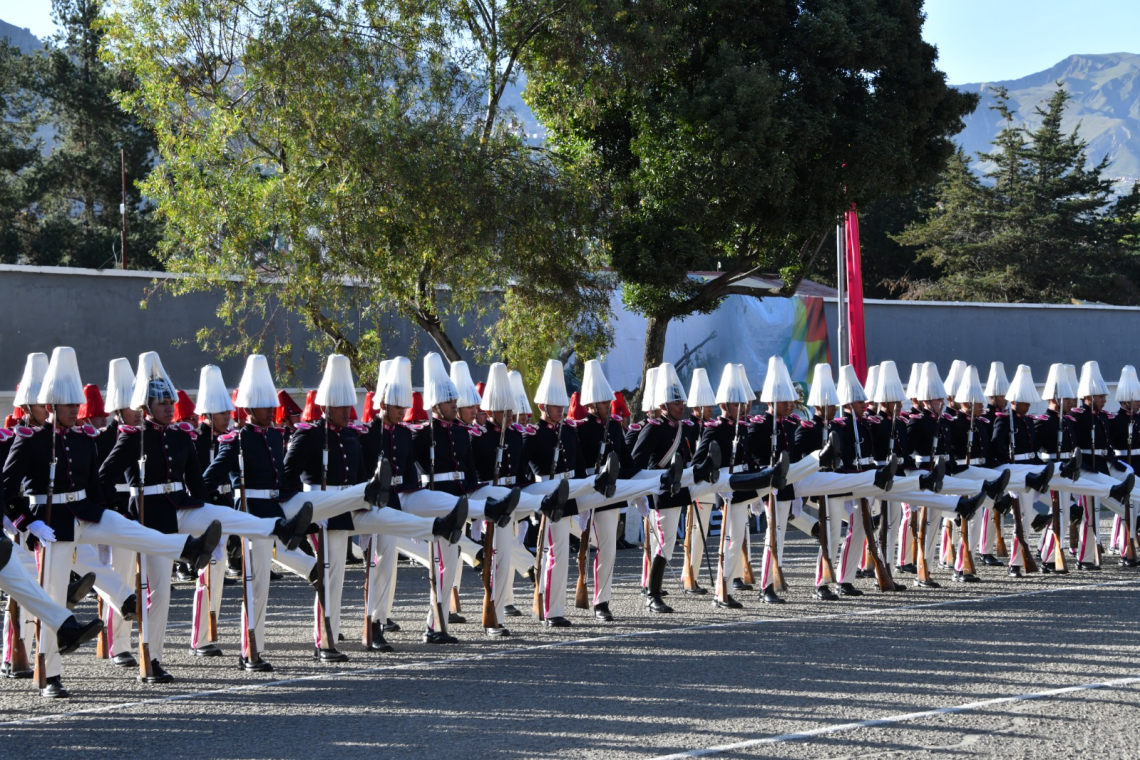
pixel 856 342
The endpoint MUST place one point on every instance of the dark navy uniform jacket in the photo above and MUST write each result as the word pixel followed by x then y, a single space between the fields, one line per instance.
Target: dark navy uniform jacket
pixel 304 461
pixel 655 439
pixel 1124 437
pixel 978 452
pixel 263 449
pixel 394 443
pixel 724 432
pixel 928 435
pixel 1091 432
pixel 27 470
pixel 452 454
pixel 760 444
pixel 511 471
pixel 1024 436
pixel 538 454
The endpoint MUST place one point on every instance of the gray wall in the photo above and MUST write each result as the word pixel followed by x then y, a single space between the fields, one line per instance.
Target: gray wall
pixel 98 313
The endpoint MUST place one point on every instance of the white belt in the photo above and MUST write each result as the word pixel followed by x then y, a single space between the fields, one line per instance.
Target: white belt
pixel 962 462
pixel 865 461
pixel 309 487
pixel 1125 452
pixel 738 468
pixel 591 470
pixel 557 476
pixel 161 488
pixel 123 488
pixel 441 476
pixel 256 493
pixel 509 480
pixel 1054 457
pixel 922 459
pixel 225 489
pixel 1095 452
pixel 58 498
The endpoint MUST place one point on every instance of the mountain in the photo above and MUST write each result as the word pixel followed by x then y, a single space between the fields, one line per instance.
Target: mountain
pixel 21 38
pixel 1105 92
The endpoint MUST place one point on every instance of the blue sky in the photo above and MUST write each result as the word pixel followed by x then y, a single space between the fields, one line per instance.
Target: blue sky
pixel 978 40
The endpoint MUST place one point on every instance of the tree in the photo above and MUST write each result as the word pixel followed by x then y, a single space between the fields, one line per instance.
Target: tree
pixel 1041 225
pixel 339 162
pixel 69 205
pixel 19 150
pixel 733 132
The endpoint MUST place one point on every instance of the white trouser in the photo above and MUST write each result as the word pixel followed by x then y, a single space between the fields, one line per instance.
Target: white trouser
pixel 334 553
pixel 382 580
pixel 851 554
pixel 834 527
pixel 119 630
pixel 209 603
pixel 603 529
pixel 234 523
pixel 1017 553
pixel 326 504
pixel 25 620
pixel 734 523
pixel 108 584
pixel 158 610
pixel 624 490
pixel 555 567
pixel 529 501
pixel 663 531
pixel 702 511
pixel 22 586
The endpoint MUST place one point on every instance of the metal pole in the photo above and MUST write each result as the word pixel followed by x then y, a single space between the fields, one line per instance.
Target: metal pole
pixel 841 287
pixel 123 205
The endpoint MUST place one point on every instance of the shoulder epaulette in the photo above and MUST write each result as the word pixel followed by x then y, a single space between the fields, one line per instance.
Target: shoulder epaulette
pixel 690 423
pixel 653 421
pixel 807 423
pixel 635 426
pixel 840 421
pixel 358 428
pixel 413 426
pixel 874 419
pixel 5 434
pixel 794 417
pixel 712 424
pixel 1080 409
pixel 946 416
pixel 1110 415
pixel 128 429
pixel 226 438
pixel 999 415
pixel 304 426
pixel 475 430
pixel 615 417
pixel 531 429
pixel 24 431
pixel 1039 416
pixel 1070 417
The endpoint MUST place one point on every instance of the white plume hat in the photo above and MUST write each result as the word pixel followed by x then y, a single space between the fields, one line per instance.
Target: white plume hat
pixel 212 395
pixel 648 390
pixel 1022 388
pixel 969 389
pixel 997 384
pixel 120 385
pixel 152 382
pixel 850 389
pixel 669 388
pixel 746 383
pixel 461 379
pixel 35 367
pixel 498 395
pixel 397 384
pixel 930 385
pixel 337 387
pixel 256 389
pixel 954 376
pixel 61 383
pixel 1071 373
pixel 872 381
pixel 913 381
pixel 595 387
pixel 522 401
pixel 552 387
pixel 822 393
pixel 381 381
pixel 730 391
pixel 1128 389
pixel 889 389
pixel 1091 384
pixel 778 383
pixel 700 389
pixel 438 387
pixel 1057 385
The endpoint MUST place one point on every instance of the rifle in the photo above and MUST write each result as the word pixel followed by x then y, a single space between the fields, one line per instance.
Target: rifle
pixel 687 578
pixel 1060 564
pixel 885 511
pixel 581 594
pixel 435 584
pixel 539 603
pixel 722 581
pixel 325 620
pixel 368 591
pixel 212 616
pixel 966 555
pixel 1129 550
pixel 490 617
pixel 882 572
pixel 142 583
pixel 773 549
pixel 1000 549
pixel 253 653
pixel 919 531
pixel 1019 538
pixel 40 673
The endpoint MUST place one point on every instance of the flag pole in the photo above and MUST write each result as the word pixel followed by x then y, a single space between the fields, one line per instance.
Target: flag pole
pixel 840 280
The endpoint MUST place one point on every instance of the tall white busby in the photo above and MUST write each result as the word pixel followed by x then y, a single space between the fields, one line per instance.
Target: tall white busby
pixel 35 367
pixel 648 390
pixel 872 381
pixel 930 385
pixel 1057 385
pixel 889 389
pixel 552 388
pixel 256 389
pixel 669 388
pixel 850 389
pixel 381 381
pixel 522 401
pixel 498 396
pixel 337 387
pixel 595 387
pixel 913 381
pixel 152 382
pixel 969 389
pixel 731 390
pixel 1128 389
pixel 397 384
pixel 954 376
pixel 823 392
pixel 120 385
pixel 461 379
pixel 438 387
pixel 61 383
pixel 778 383
pixel 1091 384
pixel 746 383
pixel 1071 373
pixel 700 389
pixel 1021 388
pixel 997 384
pixel 212 395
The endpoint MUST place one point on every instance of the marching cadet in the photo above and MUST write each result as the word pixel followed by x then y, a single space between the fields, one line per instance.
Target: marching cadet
pixel 76 512
pixel 173 481
pixel 1124 438
pixel 702 400
pixel 889 438
pixel 997 385
pixel 823 400
pixel 326 456
pixel 216 410
pixel 1054 436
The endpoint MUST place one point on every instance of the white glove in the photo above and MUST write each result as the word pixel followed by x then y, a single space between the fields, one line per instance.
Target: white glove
pixel 642 505
pixel 42 531
pixel 584 519
pixel 219 551
pixel 797 507
pixel 323 524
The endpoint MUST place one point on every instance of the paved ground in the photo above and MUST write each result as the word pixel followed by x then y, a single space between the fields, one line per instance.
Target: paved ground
pixel 1007 667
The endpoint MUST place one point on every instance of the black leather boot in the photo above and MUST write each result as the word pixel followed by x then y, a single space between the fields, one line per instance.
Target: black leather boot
pixel 605 481
pixel 197 551
pixel 775 477
pixel 1039 481
pixel 932 481
pixel 656 577
pixel 996 487
pixel 451 526
pixel 554 502
pixel 499 511
pixel 1123 490
pixel 292 531
pixel 769 595
pixel 885 475
pixel 378 489
pixel 831 455
pixel 968 505
pixel 1072 468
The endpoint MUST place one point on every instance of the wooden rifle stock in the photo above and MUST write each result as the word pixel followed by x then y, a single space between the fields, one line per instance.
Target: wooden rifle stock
pixel 538 606
pixel 968 567
pixel 722 581
pixel 920 544
pixel 102 646
pixel 748 574
pixel 1019 536
pixel 882 572
pixel 1000 549
pixel 773 548
pixel 827 574
pixel 490 616
pixel 687 578
pixel 253 654
pixel 19 659
pixel 1060 563
pixel 40 672
pixel 581 595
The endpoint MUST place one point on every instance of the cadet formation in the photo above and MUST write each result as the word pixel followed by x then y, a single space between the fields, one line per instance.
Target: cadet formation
pixel 118 490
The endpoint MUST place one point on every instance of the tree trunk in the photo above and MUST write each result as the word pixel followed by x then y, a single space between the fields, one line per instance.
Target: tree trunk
pixel 655 331
pixel 434 327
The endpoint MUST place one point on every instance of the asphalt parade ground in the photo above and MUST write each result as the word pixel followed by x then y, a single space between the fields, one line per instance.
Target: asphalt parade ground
pixel 1007 667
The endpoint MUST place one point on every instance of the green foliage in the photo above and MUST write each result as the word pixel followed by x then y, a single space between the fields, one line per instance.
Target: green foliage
pixel 63 208
pixel 1040 226
pixel 334 161
pixel 733 132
